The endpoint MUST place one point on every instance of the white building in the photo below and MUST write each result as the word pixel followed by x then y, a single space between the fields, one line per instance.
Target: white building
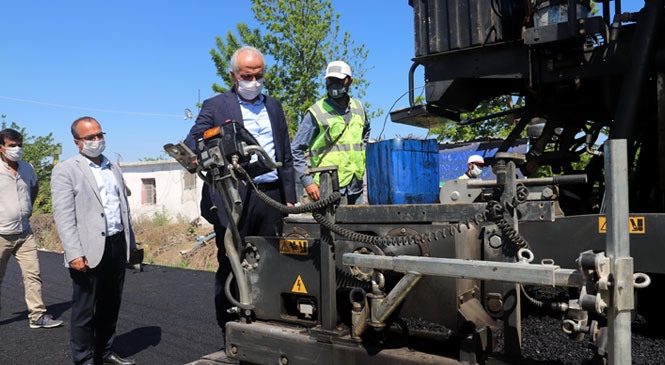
pixel 162 187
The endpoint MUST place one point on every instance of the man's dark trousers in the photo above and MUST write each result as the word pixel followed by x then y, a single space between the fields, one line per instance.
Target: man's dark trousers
pixel 96 302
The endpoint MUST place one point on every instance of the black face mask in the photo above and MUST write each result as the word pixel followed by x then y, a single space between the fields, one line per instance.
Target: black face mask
pixel 336 90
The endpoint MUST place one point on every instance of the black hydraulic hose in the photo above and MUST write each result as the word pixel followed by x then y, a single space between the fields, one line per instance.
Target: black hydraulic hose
pixel 554 306
pixel 535 302
pixel 343 278
pixel 445 231
pixel 495 213
pixel 319 204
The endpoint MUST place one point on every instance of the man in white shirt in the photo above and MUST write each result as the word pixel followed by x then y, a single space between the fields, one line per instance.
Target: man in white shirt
pixel 18 190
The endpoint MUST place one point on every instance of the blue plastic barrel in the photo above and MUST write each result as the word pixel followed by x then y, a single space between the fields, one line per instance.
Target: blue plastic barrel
pixel 403 171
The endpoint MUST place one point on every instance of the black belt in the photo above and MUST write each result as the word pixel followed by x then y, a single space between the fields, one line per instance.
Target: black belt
pixel 115 236
pixel 273 185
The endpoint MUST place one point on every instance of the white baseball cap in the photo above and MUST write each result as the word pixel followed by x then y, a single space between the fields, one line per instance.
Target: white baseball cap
pixel 477 159
pixel 338 69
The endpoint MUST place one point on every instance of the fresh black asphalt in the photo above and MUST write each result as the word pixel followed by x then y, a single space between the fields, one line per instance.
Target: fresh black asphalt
pixel 167 316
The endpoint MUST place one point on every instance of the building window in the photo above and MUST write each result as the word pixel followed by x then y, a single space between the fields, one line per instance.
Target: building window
pixel 190 181
pixel 149 192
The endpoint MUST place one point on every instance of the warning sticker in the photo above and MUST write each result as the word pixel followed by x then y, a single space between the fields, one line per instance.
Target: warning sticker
pixel 636 225
pixel 293 247
pixel 299 286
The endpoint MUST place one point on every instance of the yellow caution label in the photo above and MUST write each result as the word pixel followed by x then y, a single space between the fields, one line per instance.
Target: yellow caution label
pixel 636 225
pixel 293 247
pixel 299 286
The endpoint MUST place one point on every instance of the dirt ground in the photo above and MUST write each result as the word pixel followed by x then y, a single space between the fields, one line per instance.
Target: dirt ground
pixel 168 244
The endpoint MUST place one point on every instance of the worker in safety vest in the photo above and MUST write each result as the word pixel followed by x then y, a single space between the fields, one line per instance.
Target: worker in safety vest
pixel 335 130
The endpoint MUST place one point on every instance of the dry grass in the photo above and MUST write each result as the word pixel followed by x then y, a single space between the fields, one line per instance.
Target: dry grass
pixel 164 243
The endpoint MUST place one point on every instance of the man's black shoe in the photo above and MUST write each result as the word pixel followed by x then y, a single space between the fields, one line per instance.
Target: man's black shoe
pixel 114 359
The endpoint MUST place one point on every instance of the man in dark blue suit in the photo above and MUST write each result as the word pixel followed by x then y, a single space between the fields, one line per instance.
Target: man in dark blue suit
pixel 264 118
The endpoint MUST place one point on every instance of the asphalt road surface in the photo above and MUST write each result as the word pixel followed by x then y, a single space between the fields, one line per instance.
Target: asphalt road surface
pixel 167 316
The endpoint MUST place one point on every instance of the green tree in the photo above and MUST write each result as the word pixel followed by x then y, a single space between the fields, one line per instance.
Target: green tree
pixel 496 127
pixel 300 38
pixel 42 152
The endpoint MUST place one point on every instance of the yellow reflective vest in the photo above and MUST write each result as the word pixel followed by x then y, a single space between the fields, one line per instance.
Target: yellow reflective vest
pixel 338 143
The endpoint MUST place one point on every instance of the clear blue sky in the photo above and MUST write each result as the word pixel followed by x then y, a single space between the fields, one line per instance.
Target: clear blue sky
pixel 135 65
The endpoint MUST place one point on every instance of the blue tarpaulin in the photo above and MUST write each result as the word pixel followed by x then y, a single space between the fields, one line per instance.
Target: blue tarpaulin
pixel 453 157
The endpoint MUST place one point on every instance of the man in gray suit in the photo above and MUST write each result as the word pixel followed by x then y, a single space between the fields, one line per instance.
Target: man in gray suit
pixel 92 216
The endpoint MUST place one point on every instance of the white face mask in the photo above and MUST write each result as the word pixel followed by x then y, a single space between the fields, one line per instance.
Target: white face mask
pixel 14 153
pixel 93 148
pixel 249 90
pixel 475 172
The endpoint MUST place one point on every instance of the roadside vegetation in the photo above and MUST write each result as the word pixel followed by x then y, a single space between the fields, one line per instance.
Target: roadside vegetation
pixel 165 241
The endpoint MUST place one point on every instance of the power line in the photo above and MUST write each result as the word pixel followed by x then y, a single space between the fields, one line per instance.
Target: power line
pixel 89 109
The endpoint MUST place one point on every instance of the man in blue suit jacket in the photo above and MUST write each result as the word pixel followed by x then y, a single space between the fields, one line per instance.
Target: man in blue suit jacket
pixel 264 118
pixel 91 213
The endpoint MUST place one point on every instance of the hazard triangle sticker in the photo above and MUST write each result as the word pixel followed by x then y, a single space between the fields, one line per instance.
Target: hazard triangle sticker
pixel 299 286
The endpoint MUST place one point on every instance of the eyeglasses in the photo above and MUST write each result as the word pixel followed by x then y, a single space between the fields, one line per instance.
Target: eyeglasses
pixel 93 137
pixel 250 77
